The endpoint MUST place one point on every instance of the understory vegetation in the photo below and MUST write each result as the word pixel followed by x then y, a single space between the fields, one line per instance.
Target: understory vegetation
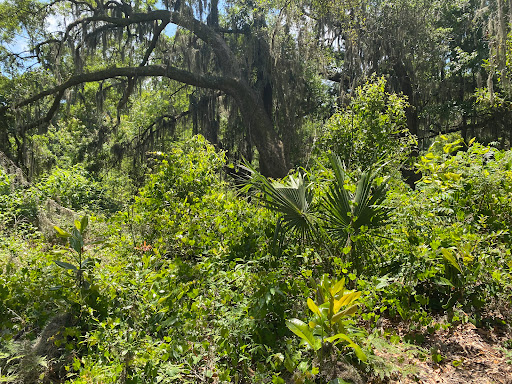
pixel 199 277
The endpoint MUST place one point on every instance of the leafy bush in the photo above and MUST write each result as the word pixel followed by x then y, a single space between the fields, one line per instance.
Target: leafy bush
pixel 448 245
pixel 189 171
pixel 73 188
pixel 189 211
pixel 5 184
pixel 18 208
pixel 331 317
pixel 372 128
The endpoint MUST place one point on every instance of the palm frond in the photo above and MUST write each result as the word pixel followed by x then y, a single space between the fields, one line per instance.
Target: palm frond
pixel 336 203
pixel 346 213
pixel 290 198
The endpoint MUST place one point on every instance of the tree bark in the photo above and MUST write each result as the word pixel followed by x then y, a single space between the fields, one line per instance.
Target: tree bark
pixel 272 158
pixel 270 147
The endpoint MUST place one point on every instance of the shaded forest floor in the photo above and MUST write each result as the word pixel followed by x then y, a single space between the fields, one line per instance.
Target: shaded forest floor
pixel 465 354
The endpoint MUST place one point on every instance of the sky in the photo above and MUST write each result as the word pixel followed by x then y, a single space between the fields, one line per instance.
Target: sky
pixel 55 23
pixel 21 43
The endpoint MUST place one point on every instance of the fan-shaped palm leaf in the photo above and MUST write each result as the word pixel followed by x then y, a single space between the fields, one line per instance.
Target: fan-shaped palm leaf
pixel 291 199
pixel 346 213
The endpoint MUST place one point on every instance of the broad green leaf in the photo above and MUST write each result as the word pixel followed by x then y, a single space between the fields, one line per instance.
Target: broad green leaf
pixel 76 234
pixel 65 265
pixel 448 255
pixel 349 311
pixel 302 330
pixel 313 307
pixel 339 336
pixel 338 287
pixel 343 301
pixel 325 282
pixel 337 305
pixel 359 352
pixel 61 232
pixel 324 310
pixel 76 240
pixel 349 298
pixel 84 223
pixel 76 244
pixel 357 349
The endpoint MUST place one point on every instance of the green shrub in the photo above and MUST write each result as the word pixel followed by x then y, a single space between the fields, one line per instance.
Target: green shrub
pixel 5 184
pixel 189 211
pixel 372 128
pixel 448 245
pixel 73 188
pixel 18 210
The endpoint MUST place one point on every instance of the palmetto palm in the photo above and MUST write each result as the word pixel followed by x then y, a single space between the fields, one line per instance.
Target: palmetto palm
pixel 291 199
pixel 346 214
pixel 343 214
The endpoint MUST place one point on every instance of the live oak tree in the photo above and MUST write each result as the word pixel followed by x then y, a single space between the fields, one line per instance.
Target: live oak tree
pixel 251 73
pixel 437 53
pixel 234 54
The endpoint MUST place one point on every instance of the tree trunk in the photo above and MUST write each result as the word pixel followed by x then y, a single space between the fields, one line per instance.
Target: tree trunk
pixel 262 134
pixel 258 123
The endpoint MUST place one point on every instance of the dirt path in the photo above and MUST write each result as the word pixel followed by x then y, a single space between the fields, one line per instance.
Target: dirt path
pixel 467 355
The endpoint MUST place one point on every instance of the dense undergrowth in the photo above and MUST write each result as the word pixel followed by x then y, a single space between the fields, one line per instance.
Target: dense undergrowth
pixel 196 280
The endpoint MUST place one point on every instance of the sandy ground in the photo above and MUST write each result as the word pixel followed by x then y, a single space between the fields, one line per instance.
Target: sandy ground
pixel 467 355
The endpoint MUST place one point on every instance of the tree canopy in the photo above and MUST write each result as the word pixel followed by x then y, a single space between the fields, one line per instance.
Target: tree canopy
pixel 234 59
pixel 256 78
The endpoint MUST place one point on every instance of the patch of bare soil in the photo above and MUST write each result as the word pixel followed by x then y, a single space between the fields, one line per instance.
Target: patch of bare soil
pixel 466 354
